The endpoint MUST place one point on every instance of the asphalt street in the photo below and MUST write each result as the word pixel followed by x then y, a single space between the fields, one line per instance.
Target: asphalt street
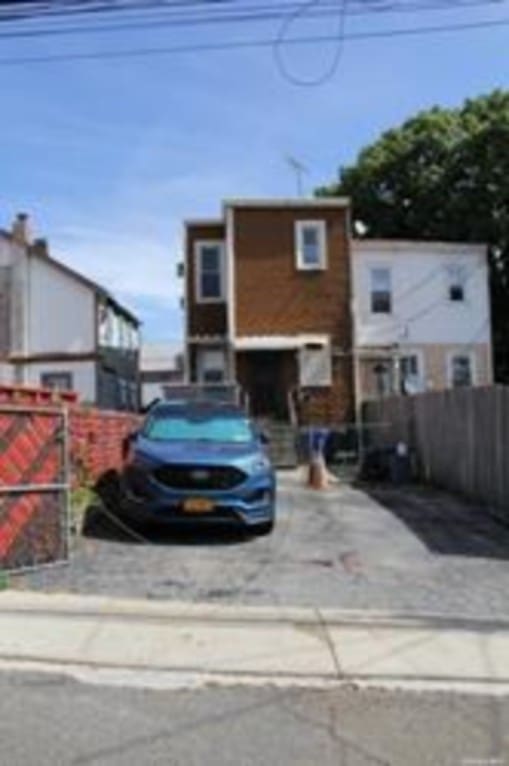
pixel 410 550
pixel 48 720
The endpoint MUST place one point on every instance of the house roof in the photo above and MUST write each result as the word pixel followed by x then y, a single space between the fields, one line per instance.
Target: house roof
pixel 97 288
pixel 419 245
pixel 289 202
pixel 39 250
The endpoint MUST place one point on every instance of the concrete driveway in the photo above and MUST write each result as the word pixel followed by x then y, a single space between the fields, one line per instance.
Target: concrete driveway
pixel 405 550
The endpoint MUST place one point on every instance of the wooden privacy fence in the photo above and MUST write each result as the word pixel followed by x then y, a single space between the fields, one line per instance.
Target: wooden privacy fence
pixel 461 438
pixel 34 487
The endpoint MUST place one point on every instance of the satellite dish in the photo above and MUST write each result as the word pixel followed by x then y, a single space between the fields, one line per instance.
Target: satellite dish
pixel 360 228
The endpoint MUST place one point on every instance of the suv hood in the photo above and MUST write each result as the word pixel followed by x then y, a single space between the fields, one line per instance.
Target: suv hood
pixel 199 452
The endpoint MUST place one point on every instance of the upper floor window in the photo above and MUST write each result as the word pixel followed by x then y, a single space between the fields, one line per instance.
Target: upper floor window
pixel 381 290
pixel 209 272
pixel 456 275
pixel 311 245
pixel 461 371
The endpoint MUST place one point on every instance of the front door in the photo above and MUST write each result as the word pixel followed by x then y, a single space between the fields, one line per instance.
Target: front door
pixel 266 384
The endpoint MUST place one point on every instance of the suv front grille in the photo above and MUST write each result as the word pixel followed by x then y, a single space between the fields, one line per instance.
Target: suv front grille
pixel 195 477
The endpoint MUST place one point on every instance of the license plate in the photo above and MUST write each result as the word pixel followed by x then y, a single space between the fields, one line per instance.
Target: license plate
pixel 198 505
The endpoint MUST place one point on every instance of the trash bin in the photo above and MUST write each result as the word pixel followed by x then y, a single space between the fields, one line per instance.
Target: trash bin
pixel 400 469
pixel 318 441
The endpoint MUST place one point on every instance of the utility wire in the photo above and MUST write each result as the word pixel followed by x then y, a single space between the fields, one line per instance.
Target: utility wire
pixel 254 16
pixel 247 44
pixel 331 70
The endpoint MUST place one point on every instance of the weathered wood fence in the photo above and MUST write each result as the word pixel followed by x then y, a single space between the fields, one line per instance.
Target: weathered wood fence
pixel 461 438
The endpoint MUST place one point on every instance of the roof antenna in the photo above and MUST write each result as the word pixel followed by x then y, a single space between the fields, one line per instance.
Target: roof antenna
pixel 299 169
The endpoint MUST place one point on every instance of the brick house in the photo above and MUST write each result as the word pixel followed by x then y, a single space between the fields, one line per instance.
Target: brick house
pixel 267 302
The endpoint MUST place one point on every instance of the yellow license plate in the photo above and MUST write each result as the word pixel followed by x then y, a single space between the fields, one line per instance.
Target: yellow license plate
pixel 198 505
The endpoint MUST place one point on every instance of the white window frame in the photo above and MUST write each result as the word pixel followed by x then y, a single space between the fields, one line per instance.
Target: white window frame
pixel 473 366
pixel 421 365
pixel 380 267
pixel 326 380
pixel 449 273
pixel 198 247
pixel 202 367
pixel 321 228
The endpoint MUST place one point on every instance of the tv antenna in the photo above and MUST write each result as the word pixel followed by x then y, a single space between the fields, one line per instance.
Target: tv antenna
pixel 300 170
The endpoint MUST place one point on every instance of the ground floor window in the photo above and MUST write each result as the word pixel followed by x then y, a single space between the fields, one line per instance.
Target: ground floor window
pixel 59 380
pixel 212 365
pixel 461 370
pixel 411 376
pixel 315 365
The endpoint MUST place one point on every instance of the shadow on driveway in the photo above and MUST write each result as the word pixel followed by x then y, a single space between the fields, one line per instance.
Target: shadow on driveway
pixel 445 524
pixel 104 523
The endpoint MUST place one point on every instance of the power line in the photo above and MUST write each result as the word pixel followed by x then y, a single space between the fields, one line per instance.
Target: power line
pixel 330 71
pixel 249 13
pixel 246 44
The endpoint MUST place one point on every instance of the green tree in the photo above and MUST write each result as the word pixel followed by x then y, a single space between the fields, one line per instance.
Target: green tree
pixel 443 174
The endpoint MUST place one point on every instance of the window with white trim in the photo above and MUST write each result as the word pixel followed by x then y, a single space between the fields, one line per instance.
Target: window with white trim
pixel 311 245
pixel 212 365
pixel 380 290
pixel 62 381
pixel 411 378
pixel 315 365
pixel 456 282
pixel 209 272
pixel 461 370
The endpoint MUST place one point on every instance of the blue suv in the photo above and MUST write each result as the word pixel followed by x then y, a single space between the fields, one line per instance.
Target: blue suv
pixel 203 463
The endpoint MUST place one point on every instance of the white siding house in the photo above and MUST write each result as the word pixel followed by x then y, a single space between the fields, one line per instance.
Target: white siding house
pixel 52 323
pixel 421 316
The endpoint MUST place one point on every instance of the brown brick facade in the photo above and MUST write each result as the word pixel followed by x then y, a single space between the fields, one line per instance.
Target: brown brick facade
pixel 272 296
pixel 202 318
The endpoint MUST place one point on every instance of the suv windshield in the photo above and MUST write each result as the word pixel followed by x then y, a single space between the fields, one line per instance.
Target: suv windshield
pixel 211 429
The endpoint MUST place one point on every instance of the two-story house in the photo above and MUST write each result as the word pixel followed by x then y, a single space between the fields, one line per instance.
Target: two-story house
pixel 268 306
pixel 61 329
pixel 422 316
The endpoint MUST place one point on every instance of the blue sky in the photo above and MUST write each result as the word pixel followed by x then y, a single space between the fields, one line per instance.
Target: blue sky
pixel 108 157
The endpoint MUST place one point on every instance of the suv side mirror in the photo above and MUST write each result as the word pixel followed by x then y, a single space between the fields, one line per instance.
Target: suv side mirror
pixel 264 439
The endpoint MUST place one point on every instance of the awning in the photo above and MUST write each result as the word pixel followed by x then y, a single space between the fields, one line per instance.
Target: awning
pixel 278 342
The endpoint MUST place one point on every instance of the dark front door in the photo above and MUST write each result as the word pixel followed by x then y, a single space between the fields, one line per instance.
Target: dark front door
pixel 266 384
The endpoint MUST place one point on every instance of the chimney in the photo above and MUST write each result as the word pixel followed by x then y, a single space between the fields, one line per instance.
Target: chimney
pixel 21 230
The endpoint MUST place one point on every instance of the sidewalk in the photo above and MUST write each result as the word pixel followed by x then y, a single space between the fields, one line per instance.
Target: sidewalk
pixel 168 645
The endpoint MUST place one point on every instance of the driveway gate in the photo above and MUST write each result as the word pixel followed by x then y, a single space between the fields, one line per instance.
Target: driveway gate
pixel 34 487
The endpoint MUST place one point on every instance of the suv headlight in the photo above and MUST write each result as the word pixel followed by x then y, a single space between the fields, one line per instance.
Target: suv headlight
pixel 259 464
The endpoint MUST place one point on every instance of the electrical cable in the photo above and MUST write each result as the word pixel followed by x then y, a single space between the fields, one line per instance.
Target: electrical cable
pixel 248 44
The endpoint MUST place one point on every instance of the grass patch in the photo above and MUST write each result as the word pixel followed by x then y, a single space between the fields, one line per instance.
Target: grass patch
pixel 4 580
pixel 81 499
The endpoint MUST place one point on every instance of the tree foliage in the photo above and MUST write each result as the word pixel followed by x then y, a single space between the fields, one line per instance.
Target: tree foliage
pixel 443 174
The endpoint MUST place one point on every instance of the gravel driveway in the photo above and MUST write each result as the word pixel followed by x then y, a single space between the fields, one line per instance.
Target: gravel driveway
pixel 413 550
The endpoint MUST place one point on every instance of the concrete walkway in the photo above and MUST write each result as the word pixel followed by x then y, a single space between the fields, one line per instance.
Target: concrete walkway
pixel 172 645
